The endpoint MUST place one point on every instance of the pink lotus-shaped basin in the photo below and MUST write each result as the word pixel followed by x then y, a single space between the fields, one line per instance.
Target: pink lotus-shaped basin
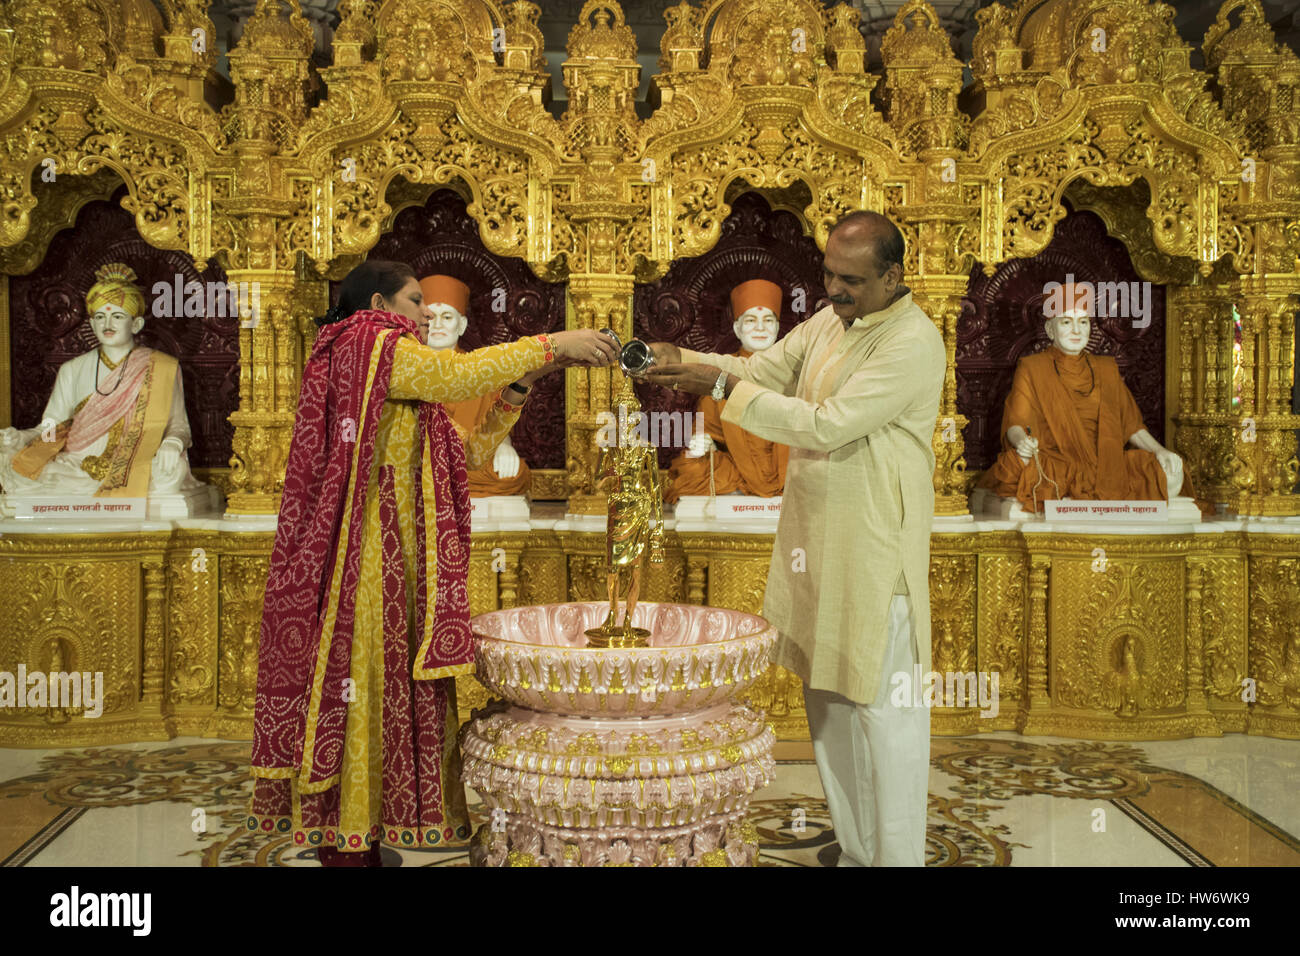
pixel 537 657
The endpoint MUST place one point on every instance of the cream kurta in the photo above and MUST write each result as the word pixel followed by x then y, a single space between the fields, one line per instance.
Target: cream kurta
pixel 858 410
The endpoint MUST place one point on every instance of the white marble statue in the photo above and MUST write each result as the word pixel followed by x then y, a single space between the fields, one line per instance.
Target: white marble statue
pixel 758 329
pixel 447 301
pixel 1072 430
pixel 115 423
pixel 722 458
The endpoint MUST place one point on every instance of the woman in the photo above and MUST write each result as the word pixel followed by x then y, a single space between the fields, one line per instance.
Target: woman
pixel 365 622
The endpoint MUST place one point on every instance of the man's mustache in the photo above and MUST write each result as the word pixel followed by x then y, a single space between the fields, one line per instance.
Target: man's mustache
pixel 841 301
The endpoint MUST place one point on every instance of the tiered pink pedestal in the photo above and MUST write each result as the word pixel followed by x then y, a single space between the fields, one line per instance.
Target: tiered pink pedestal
pixel 618 756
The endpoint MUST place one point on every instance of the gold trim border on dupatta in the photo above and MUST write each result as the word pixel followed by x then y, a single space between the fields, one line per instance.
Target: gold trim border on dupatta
pixel 430 502
pixel 158 386
pixel 331 609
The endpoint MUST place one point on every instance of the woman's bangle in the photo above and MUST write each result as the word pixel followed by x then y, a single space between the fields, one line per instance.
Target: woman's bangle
pixel 521 389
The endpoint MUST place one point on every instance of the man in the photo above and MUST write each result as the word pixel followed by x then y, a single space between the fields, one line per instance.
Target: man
pixel 854 391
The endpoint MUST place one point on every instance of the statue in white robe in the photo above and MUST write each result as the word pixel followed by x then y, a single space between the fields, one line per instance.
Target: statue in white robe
pixel 115 423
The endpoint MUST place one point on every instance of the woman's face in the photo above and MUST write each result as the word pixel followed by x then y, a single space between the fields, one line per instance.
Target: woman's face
pixel 407 302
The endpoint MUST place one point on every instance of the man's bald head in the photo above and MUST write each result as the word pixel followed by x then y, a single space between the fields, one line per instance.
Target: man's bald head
pixel 871 228
pixel 863 265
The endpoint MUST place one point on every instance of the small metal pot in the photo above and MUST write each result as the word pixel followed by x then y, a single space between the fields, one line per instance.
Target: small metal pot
pixel 635 357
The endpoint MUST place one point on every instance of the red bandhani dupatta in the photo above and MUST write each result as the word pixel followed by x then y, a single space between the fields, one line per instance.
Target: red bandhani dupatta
pixel 306 638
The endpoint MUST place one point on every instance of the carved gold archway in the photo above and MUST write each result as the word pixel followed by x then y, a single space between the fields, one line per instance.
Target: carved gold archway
pixel 1095 94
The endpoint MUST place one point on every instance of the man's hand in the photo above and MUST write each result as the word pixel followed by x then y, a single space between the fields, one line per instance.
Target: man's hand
pixel 693 378
pixel 666 353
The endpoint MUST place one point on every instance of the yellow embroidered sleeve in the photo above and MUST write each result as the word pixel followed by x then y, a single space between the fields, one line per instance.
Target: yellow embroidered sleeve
pixel 481 444
pixel 441 375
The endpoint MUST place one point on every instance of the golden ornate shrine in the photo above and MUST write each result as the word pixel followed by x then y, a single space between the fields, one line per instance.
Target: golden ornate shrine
pixel 767 95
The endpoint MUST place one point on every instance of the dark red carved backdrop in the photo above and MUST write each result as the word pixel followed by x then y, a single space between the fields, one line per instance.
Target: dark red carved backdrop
pixel 1002 319
pixel 691 305
pixel 48 325
pixel 440 237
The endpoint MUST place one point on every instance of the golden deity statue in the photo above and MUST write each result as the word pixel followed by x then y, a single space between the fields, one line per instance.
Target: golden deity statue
pixel 629 470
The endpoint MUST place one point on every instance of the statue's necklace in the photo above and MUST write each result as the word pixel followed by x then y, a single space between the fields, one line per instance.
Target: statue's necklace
pixel 1091 377
pixel 111 366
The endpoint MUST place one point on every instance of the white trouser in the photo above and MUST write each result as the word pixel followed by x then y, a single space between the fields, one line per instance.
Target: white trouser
pixel 874 761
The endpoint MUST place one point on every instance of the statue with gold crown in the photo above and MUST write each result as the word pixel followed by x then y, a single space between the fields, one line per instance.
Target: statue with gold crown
pixel 114 426
pixel 447 300
pixel 725 459
pixel 1071 429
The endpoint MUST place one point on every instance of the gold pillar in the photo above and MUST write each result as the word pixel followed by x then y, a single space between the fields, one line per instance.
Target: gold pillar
pixel 940 297
pixel 1038 703
pixel 6 409
pixel 594 302
pixel 1204 421
pixel 272 349
pixel 1265 465
pixel 1197 703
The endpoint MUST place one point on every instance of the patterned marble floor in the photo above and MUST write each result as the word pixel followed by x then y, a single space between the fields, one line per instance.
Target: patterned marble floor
pixel 995 800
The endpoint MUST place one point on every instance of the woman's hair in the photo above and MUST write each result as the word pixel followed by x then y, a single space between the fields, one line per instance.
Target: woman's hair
pixel 355 292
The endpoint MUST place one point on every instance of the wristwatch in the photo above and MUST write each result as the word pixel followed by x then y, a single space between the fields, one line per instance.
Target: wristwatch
pixel 720 387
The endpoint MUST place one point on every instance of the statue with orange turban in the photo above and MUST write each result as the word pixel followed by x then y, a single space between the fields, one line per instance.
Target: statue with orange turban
pixel 115 425
pixel 447 300
pixel 742 463
pixel 1071 429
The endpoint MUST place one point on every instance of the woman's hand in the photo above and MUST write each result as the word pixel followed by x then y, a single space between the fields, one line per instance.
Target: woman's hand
pixel 582 347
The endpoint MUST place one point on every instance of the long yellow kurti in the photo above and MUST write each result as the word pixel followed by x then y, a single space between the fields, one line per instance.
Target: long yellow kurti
pixel 419 374
pixel 858 410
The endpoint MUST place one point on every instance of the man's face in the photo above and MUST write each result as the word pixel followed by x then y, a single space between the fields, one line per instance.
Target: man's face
pixel 446 325
pixel 113 325
pixel 852 278
pixel 757 328
pixel 1070 331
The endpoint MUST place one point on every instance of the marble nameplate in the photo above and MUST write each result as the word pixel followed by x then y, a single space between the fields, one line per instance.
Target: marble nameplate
pixel 1072 510
pixel 1180 510
pixel 728 508
pixel 78 507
